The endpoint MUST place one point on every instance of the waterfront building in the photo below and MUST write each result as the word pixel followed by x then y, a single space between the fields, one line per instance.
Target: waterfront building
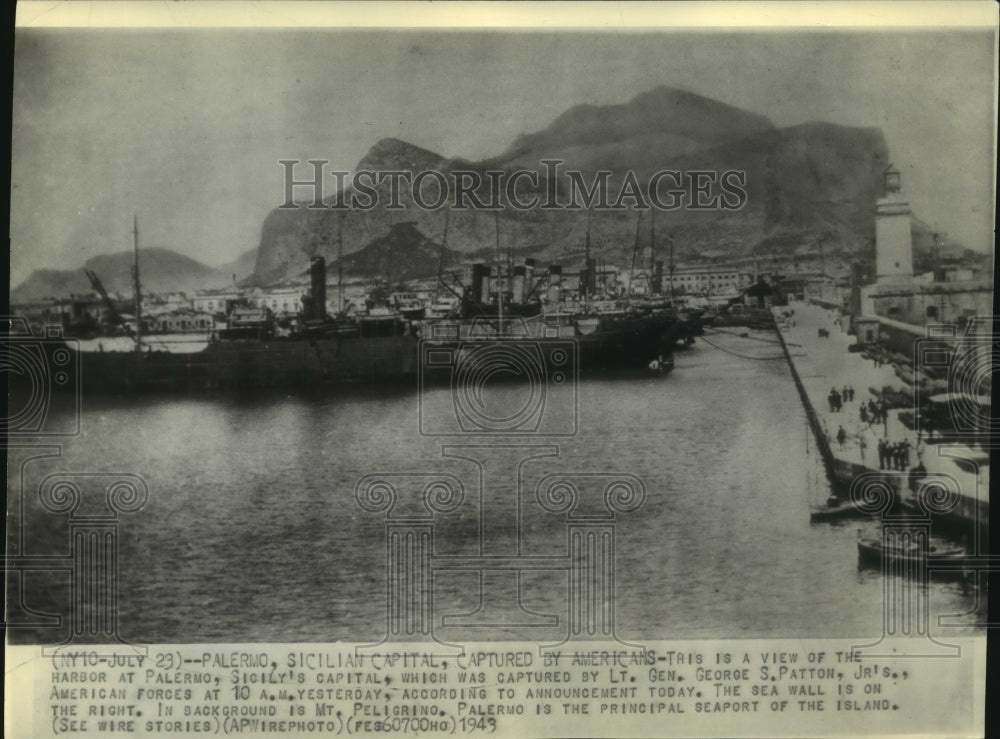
pixel 893 241
pixel 284 300
pixel 898 307
pixel 710 280
pixel 179 321
pixel 214 301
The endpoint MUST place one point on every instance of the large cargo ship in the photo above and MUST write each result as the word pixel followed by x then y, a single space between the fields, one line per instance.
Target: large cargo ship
pixel 378 348
pixel 390 354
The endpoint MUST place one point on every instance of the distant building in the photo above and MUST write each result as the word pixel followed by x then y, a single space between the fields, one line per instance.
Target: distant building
pixel 248 317
pixel 893 244
pixel 933 302
pixel 282 301
pixel 899 306
pixel 795 285
pixel 709 280
pixel 215 301
pixel 353 296
pixel 180 321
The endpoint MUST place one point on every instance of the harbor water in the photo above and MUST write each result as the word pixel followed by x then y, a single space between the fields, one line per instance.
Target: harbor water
pixel 252 531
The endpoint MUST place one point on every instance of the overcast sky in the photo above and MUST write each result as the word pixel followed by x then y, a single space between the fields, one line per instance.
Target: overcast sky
pixel 185 128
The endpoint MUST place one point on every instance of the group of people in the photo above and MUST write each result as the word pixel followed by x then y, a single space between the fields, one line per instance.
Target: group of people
pixel 893 456
pixel 837 398
pixel 873 413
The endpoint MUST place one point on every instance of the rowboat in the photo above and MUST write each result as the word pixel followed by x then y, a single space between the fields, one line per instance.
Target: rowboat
pixel 906 555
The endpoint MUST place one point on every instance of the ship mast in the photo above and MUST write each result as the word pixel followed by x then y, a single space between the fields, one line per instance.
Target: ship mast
pixel 635 251
pixel 670 240
pixel 444 245
pixel 652 248
pixel 496 220
pixel 510 259
pixel 135 285
pixel 340 262
pixel 586 263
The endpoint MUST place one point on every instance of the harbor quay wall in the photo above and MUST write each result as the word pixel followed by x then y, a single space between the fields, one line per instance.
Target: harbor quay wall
pixel 841 472
pixel 819 432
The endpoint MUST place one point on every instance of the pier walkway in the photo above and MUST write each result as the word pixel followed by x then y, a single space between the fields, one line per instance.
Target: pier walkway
pixel 823 363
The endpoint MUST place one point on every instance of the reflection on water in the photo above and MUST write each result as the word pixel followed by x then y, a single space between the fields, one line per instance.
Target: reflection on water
pixel 252 531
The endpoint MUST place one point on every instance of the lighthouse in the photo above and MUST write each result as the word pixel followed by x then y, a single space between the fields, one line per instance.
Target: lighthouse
pixel 893 245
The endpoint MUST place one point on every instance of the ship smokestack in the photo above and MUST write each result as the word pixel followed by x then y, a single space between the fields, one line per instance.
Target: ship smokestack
pixel 588 279
pixel 529 277
pixel 555 278
pixel 658 278
pixel 477 280
pixel 317 276
pixel 518 283
pixel 484 296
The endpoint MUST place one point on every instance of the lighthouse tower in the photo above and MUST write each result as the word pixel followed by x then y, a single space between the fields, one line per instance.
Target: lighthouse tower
pixel 893 246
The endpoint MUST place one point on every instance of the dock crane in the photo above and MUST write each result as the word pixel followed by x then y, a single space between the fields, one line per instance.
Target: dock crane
pixel 113 314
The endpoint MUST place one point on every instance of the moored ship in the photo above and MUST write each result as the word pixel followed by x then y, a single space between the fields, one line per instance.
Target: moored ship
pixel 376 347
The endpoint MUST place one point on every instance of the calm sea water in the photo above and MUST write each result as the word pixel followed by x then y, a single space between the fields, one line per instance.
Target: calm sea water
pixel 252 532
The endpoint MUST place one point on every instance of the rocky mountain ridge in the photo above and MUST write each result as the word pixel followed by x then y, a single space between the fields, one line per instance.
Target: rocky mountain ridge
pixel 804 184
pixel 161 271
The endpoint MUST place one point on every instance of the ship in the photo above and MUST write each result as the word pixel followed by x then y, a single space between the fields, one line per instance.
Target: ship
pixel 376 347
pixel 913 556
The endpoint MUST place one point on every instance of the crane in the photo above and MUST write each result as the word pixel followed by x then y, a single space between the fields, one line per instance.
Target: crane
pixel 113 314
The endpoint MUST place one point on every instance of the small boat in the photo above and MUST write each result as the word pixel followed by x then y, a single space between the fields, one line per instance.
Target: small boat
pixel 836 509
pixel 907 556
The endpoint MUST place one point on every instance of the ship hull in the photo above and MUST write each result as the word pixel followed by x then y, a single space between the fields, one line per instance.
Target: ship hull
pixel 632 343
pixel 253 363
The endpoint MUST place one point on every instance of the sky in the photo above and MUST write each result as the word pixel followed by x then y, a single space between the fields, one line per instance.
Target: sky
pixel 184 128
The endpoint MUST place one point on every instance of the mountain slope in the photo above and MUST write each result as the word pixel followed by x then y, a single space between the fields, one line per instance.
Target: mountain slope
pixel 161 270
pixel 806 183
pixel 241 267
pixel 667 121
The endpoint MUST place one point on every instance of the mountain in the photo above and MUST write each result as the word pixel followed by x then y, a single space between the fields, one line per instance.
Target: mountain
pixel 241 267
pixel 161 270
pixel 667 121
pixel 805 184
pixel 402 254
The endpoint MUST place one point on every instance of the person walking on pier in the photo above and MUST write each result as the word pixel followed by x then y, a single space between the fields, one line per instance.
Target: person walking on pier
pixel 863 412
pixel 850 393
pixel 844 394
pixel 882 453
pixel 841 436
pixel 862 445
